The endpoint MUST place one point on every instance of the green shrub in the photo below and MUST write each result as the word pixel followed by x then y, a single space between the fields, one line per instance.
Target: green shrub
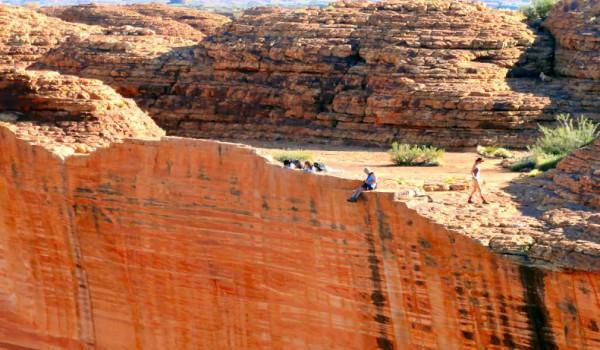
pixel 526 163
pixel 403 154
pixel 538 10
pixel 556 143
pixel 566 137
pixel 493 152
pixel 293 154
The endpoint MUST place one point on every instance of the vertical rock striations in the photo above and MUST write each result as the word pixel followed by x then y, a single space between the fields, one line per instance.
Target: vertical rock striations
pixel 198 244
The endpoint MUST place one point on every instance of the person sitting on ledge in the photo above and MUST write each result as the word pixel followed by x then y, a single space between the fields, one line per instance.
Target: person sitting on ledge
pixel 476 181
pixel 308 167
pixel 288 164
pixel 369 184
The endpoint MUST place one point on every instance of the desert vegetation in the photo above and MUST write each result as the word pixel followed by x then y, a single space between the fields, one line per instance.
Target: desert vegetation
pixel 537 10
pixel 555 143
pixel 415 155
pixel 494 152
pixel 293 154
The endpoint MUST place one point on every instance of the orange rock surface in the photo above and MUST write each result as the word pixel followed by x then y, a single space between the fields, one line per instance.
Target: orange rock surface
pixel 115 237
pixel 578 175
pixel 575 26
pixel 197 244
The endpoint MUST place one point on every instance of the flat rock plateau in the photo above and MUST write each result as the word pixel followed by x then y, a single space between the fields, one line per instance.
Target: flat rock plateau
pixel 120 228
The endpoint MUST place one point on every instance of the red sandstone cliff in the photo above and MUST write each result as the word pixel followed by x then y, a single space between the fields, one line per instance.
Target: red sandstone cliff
pixel 181 243
pixel 184 248
pixel 112 238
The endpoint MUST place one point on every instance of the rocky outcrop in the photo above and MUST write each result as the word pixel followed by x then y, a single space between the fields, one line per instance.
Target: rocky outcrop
pixel 161 19
pixel 25 35
pixel 576 27
pixel 361 72
pixel 578 176
pixel 68 114
pixel 208 23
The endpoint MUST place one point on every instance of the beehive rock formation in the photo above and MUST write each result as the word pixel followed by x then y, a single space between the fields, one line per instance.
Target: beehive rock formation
pixel 575 25
pixel 362 72
pixel 68 114
pixel 161 19
pixel 26 35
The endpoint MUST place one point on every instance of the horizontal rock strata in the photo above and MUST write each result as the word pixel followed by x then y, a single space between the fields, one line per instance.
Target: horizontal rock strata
pixel 578 176
pixel 361 72
pixel 180 243
pixel 161 19
pixel 26 35
pixel 576 27
pixel 68 114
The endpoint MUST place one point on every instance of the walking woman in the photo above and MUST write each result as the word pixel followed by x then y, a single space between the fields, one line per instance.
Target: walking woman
pixel 476 181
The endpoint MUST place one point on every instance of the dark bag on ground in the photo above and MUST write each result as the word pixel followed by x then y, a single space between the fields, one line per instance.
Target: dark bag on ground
pixel 320 166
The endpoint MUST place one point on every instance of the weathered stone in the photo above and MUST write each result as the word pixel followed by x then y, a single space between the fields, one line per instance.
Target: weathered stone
pixel 576 26
pixel 577 176
pixel 148 244
pixel 367 73
pixel 64 112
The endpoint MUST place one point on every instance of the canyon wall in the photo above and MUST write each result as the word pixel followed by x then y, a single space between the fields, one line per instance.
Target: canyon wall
pixel 114 237
pixel 190 244
pixel 447 73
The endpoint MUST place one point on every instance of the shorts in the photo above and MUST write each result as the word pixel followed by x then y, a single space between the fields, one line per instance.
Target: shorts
pixel 368 187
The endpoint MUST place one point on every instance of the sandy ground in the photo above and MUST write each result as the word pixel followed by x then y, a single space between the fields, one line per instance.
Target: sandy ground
pixel 351 160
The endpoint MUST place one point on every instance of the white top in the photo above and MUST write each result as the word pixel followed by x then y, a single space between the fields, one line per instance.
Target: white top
pixel 476 173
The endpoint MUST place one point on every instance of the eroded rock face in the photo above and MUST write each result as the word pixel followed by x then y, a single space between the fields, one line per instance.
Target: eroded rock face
pixel 162 19
pixel 578 176
pixel 576 26
pixel 26 35
pixel 362 72
pixel 67 114
pixel 186 243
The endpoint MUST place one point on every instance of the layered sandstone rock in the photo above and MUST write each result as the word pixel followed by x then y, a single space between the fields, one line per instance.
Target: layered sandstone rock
pixel 361 72
pixel 578 176
pixel 576 26
pixel 26 35
pixel 185 23
pixel 530 220
pixel 177 243
pixel 68 114
pixel 208 23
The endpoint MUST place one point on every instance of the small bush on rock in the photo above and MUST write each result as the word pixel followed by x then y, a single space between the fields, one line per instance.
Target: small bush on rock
pixel 493 152
pixel 293 154
pixel 538 10
pixel 415 155
pixel 566 137
pixel 556 143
